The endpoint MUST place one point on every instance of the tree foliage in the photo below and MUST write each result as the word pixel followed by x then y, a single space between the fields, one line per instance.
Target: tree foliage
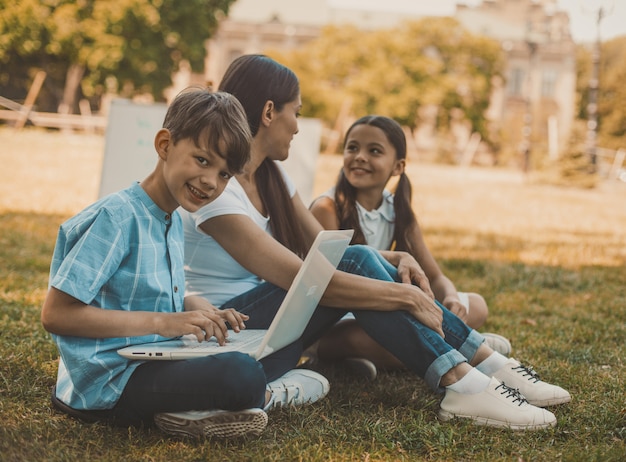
pixel 395 72
pixel 612 94
pixel 130 46
pixel 611 101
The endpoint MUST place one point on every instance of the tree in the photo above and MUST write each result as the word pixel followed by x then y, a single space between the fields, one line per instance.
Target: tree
pixel 611 91
pixel 612 94
pixel 87 46
pixel 395 72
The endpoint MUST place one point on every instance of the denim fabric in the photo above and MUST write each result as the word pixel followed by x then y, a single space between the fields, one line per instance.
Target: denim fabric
pixel 229 381
pixel 420 349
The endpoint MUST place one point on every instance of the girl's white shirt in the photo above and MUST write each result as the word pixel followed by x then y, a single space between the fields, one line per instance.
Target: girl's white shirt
pixel 210 271
pixel 377 225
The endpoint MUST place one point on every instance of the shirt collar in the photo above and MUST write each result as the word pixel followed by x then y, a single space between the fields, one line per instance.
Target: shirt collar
pixel 158 213
pixel 385 209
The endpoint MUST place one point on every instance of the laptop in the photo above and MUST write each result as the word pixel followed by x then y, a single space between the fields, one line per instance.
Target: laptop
pixel 288 325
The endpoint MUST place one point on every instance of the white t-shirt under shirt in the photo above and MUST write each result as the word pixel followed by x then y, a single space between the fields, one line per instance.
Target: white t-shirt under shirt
pixel 210 271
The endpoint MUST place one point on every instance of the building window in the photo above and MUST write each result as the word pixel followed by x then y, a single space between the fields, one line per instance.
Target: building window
pixel 515 84
pixel 548 83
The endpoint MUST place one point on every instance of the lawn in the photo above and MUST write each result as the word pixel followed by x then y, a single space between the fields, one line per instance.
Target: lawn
pixel 550 261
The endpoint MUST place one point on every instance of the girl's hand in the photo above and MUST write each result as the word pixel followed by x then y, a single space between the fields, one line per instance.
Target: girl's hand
pixel 456 307
pixel 411 272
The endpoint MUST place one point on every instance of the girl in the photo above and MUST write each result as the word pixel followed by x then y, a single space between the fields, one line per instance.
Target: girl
pixel 374 152
pixel 258 229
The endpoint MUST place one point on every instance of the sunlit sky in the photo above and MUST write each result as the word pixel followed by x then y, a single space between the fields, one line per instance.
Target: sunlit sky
pixel 582 13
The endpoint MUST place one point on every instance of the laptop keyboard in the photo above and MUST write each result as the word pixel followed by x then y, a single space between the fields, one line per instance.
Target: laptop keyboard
pixel 235 341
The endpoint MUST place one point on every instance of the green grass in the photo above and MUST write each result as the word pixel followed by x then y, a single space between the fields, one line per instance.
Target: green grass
pixel 569 322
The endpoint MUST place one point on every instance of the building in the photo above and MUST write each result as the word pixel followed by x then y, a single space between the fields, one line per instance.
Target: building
pixel 537 101
pixel 532 109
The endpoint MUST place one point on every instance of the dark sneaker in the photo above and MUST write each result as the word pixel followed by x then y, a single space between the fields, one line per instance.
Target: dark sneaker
pixel 361 367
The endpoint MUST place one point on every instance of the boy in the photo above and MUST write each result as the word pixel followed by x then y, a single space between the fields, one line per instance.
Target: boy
pixel 117 279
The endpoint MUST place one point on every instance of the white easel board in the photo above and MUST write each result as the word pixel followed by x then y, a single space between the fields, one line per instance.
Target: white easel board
pixel 302 161
pixel 129 153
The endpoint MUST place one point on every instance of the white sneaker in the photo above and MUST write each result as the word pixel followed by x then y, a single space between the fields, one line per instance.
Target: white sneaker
pixel 297 387
pixel 217 424
pixel 497 343
pixel 525 379
pixel 497 406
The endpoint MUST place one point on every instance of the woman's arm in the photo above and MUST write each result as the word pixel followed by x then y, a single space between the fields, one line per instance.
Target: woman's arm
pixel 262 255
pixel 324 209
pixel 63 314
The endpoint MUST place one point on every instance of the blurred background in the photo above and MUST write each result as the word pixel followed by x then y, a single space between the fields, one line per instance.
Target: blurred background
pixel 536 85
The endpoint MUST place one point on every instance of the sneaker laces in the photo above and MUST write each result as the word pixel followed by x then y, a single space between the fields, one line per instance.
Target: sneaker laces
pixel 513 393
pixel 527 372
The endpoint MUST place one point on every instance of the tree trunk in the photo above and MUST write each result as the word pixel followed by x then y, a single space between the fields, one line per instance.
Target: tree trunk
pixel 74 75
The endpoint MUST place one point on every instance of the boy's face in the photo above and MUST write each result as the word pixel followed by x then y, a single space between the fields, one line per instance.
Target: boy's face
pixel 194 176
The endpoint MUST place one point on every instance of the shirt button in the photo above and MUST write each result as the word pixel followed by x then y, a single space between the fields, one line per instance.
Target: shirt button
pixel 168 217
pixel 175 289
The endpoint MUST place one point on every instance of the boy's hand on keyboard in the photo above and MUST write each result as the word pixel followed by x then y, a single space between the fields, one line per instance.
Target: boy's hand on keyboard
pixel 203 324
pixel 228 315
pixel 234 318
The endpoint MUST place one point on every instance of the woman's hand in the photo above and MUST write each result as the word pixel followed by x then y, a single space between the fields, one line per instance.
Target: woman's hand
pixel 426 311
pixel 410 272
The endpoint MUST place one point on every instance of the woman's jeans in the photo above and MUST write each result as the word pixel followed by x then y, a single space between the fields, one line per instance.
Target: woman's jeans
pixel 418 347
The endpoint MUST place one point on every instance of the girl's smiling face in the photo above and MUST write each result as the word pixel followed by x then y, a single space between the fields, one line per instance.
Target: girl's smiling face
pixel 369 158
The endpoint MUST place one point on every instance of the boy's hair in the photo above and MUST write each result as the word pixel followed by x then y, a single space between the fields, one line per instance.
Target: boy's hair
pixel 256 79
pixel 217 117
pixel 345 193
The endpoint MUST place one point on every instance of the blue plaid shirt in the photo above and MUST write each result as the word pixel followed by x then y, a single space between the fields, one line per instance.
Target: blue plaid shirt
pixel 121 253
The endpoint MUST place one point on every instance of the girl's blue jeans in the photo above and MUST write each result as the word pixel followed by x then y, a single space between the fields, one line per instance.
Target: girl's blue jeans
pixel 418 347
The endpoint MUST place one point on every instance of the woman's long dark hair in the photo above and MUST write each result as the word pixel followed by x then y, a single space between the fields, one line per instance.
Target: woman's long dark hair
pixel 345 193
pixel 255 80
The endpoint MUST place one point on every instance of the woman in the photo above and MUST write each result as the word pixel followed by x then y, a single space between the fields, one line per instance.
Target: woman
pixel 243 251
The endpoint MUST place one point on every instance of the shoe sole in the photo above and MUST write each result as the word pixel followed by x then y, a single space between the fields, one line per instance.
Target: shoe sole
pixel 222 425
pixel 550 402
pixel 445 416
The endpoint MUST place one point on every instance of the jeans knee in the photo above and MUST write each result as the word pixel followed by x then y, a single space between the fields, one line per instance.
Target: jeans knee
pixel 243 376
pixel 365 261
pixel 356 256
